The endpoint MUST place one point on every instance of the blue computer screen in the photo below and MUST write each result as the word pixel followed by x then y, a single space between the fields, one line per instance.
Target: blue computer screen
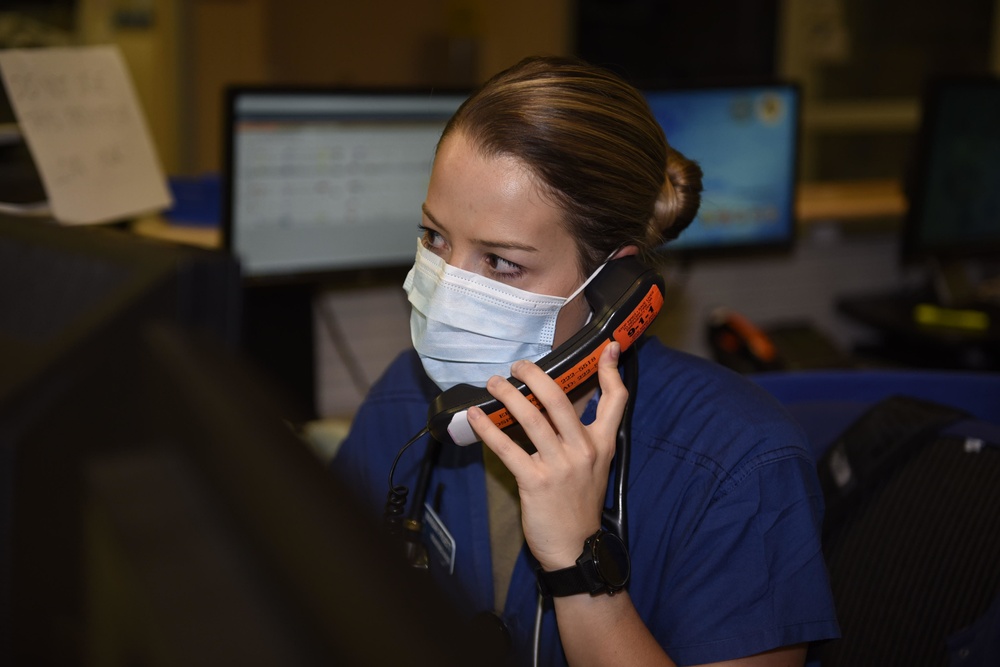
pixel 745 138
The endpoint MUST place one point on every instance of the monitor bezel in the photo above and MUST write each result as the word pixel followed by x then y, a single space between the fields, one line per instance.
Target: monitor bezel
pixel 359 276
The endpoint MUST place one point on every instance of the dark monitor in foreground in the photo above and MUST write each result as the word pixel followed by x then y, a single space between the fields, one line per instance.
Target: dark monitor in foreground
pixel 71 303
pixel 61 288
pixel 325 182
pixel 746 140
pixel 954 194
pixel 213 535
pixel 155 508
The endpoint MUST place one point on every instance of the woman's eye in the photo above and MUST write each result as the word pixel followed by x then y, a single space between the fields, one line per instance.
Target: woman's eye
pixel 431 238
pixel 504 268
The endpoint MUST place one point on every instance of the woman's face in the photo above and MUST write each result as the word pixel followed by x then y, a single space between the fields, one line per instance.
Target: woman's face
pixel 490 216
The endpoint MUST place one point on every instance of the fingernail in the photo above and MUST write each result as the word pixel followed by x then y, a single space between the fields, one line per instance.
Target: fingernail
pixel 616 350
pixel 516 365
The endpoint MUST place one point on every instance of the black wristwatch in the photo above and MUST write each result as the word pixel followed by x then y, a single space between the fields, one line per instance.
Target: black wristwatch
pixel 603 567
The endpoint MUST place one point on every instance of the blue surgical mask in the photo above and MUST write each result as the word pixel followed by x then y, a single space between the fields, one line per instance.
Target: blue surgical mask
pixel 466 327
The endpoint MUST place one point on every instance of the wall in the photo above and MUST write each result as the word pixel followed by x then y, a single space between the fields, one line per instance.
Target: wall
pixel 226 43
pixel 186 52
pixel 410 42
pixel 192 49
pixel 377 43
pixel 152 53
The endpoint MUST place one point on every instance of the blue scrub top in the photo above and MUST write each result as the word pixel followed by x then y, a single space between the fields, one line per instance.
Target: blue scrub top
pixel 724 511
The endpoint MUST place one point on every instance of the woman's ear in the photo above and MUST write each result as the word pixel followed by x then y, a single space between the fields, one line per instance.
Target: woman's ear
pixel 625 251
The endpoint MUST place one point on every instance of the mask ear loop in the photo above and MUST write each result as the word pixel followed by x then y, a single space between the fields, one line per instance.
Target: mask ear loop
pixel 586 282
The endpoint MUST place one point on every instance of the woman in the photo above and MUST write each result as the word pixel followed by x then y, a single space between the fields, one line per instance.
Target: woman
pixel 549 170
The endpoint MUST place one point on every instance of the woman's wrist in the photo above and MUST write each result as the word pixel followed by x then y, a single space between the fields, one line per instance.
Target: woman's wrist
pixel 566 556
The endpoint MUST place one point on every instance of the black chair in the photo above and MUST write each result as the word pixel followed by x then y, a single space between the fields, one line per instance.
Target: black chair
pixel 911 468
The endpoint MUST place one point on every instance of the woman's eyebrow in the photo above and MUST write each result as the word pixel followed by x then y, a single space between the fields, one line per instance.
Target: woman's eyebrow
pixel 505 245
pixel 499 245
pixel 430 216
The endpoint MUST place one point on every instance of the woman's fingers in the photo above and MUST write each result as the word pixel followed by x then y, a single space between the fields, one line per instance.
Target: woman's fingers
pixel 508 451
pixel 560 416
pixel 548 417
pixel 614 394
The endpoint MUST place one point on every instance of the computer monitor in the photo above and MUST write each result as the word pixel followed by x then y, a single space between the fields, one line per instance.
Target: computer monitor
pixel 322 182
pixel 67 289
pixel 73 300
pixel 954 189
pixel 745 138
pixel 156 504
pixel 214 535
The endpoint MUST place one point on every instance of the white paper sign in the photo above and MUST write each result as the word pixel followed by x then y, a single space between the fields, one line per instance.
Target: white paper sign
pixel 81 120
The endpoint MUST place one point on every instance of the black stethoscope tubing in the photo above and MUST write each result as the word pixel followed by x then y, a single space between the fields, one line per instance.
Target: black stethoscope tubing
pixel 616 517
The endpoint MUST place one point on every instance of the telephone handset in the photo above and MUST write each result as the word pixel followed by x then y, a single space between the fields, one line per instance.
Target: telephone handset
pixel 625 298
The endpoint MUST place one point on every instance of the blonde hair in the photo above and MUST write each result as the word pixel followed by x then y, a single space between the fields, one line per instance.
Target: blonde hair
pixel 593 142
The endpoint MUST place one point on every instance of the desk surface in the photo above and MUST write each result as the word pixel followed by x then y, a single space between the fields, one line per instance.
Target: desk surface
pixel 158 227
pixel 894 314
pixel 850 200
pixel 904 340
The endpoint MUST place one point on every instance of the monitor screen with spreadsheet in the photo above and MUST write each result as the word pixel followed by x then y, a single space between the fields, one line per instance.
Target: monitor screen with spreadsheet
pixel 321 181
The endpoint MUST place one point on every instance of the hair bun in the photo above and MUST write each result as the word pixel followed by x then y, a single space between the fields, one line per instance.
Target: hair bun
pixel 678 201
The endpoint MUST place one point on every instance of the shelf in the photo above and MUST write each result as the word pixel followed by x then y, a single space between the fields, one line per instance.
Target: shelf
pixel 849 200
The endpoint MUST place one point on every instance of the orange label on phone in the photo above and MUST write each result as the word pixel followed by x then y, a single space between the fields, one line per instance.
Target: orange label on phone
pixel 626 334
pixel 640 319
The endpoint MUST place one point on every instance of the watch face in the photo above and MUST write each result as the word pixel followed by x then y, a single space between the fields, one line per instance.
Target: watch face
pixel 611 559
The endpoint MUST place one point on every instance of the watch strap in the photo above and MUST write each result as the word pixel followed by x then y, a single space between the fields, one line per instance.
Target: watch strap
pixel 560 583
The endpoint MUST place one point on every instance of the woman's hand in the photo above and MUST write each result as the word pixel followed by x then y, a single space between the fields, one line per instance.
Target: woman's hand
pixel 564 483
